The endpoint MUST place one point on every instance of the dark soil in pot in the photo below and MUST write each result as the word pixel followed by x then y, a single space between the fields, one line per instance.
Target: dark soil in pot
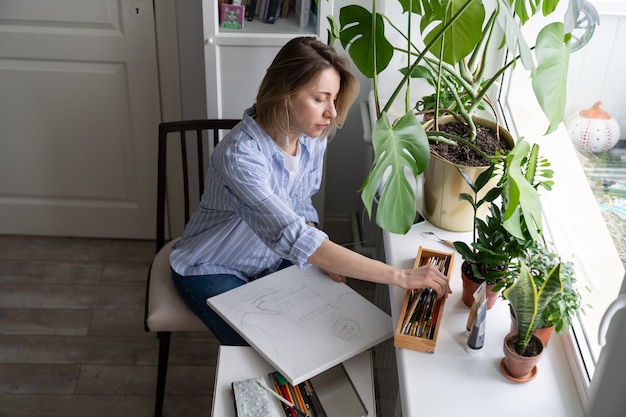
pixel 461 154
pixel 533 349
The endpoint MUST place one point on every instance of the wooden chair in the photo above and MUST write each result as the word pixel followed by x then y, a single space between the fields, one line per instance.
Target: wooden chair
pixel 165 311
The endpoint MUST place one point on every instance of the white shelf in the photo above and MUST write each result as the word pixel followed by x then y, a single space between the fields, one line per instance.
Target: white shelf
pixel 285 26
pixel 236 59
pixel 236 363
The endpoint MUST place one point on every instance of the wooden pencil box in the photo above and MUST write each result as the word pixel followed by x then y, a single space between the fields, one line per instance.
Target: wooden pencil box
pixel 421 312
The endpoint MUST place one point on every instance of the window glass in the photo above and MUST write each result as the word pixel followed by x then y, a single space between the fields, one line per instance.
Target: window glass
pixel 585 213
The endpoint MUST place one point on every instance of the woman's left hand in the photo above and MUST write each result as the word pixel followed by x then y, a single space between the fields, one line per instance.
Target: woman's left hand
pixel 335 277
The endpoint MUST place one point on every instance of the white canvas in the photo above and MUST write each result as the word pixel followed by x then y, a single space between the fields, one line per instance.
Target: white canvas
pixel 303 322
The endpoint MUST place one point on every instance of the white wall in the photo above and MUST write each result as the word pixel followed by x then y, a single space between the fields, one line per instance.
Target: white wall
pixel 348 157
pixel 191 59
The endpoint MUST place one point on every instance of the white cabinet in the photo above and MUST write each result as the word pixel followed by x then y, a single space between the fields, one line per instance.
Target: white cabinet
pixel 236 60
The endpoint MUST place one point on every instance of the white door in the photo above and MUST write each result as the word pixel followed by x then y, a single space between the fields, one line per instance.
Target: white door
pixel 79 110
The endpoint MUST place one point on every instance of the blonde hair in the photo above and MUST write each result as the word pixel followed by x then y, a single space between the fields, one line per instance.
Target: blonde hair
pixel 299 62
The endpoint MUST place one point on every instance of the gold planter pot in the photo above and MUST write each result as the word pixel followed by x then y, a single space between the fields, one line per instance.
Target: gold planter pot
pixel 443 184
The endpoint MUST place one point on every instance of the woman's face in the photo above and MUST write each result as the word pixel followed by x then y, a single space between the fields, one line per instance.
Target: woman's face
pixel 313 107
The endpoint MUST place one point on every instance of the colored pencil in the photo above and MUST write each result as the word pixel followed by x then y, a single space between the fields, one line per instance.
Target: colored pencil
pixel 295 409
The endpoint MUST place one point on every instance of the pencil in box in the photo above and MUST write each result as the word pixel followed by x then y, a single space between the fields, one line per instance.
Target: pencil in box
pixel 421 312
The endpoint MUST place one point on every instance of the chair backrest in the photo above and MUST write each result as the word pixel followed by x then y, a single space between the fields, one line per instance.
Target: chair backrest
pixel 194 140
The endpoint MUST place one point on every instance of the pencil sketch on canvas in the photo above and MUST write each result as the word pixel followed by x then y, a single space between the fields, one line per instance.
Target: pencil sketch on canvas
pixel 302 319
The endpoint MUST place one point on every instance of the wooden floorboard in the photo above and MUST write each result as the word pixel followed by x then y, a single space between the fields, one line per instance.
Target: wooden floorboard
pixel 72 342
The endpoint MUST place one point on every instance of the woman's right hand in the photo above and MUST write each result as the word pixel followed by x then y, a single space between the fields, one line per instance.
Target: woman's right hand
pixel 427 276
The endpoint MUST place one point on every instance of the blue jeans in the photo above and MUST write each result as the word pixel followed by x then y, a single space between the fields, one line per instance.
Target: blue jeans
pixel 195 290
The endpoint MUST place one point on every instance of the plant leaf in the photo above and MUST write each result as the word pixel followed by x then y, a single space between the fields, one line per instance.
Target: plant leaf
pixel 524 8
pixel 414 6
pixel 513 36
pixel 466 197
pixel 552 286
pixel 523 201
pixel 333 30
pixel 522 296
pixel 548 6
pixel 468 179
pixel 484 177
pixel 399 151
pixel 490 196
pixel 463 249
pixel 550 80
pixel 420 72
pixel 459 40
pixel 358 38
pixel 528 301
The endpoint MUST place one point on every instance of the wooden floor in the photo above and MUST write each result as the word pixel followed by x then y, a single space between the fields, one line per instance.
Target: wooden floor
pixel 72 342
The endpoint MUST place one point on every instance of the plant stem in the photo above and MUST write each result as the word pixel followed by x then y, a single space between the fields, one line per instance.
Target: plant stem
pixel 407 93
pixel 374 54
pixel 432 136
pixel 421 55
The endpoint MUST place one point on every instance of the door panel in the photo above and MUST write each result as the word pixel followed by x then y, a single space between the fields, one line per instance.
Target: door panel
pixel 78 118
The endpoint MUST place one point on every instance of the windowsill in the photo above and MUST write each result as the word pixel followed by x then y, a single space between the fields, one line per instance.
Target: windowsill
pixel 450 381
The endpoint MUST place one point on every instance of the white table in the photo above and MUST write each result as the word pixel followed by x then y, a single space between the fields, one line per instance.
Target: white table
pixel 236 363
pixel 450 382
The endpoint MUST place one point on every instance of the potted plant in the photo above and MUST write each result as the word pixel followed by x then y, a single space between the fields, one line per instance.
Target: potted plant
pixel 557 316
pixel 492 246
pixel 456 36
pixel 528 299
pixel 499 239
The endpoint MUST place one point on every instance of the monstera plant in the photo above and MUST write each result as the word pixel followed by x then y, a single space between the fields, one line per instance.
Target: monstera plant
pixel 451 42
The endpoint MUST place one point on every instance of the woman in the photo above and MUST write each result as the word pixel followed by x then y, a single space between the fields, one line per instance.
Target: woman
pixel 256 215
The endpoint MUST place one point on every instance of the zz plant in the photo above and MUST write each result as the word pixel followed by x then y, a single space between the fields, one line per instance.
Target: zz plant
pixel 514 219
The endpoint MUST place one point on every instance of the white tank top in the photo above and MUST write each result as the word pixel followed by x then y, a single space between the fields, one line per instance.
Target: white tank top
pixel 292 164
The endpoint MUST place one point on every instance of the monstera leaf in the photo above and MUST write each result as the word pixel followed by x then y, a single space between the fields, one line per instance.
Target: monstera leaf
pixel 365 41
pixel 552 52
pixel 400 151
pixel 461 38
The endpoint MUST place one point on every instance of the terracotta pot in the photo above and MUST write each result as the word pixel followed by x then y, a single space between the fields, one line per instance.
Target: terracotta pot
pixel 470 287
pixel 543 333
pixel 443 183
pixel 518 368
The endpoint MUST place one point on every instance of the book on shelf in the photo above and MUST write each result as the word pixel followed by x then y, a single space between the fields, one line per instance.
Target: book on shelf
pixel 232 16
pixel 286 7
pixel 260 8
pixel 313 14
pixel 273 10
pixel 250 9
pixel 301 9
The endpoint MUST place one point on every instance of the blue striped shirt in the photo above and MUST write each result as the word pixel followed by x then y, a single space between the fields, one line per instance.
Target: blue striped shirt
pixel 247 220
